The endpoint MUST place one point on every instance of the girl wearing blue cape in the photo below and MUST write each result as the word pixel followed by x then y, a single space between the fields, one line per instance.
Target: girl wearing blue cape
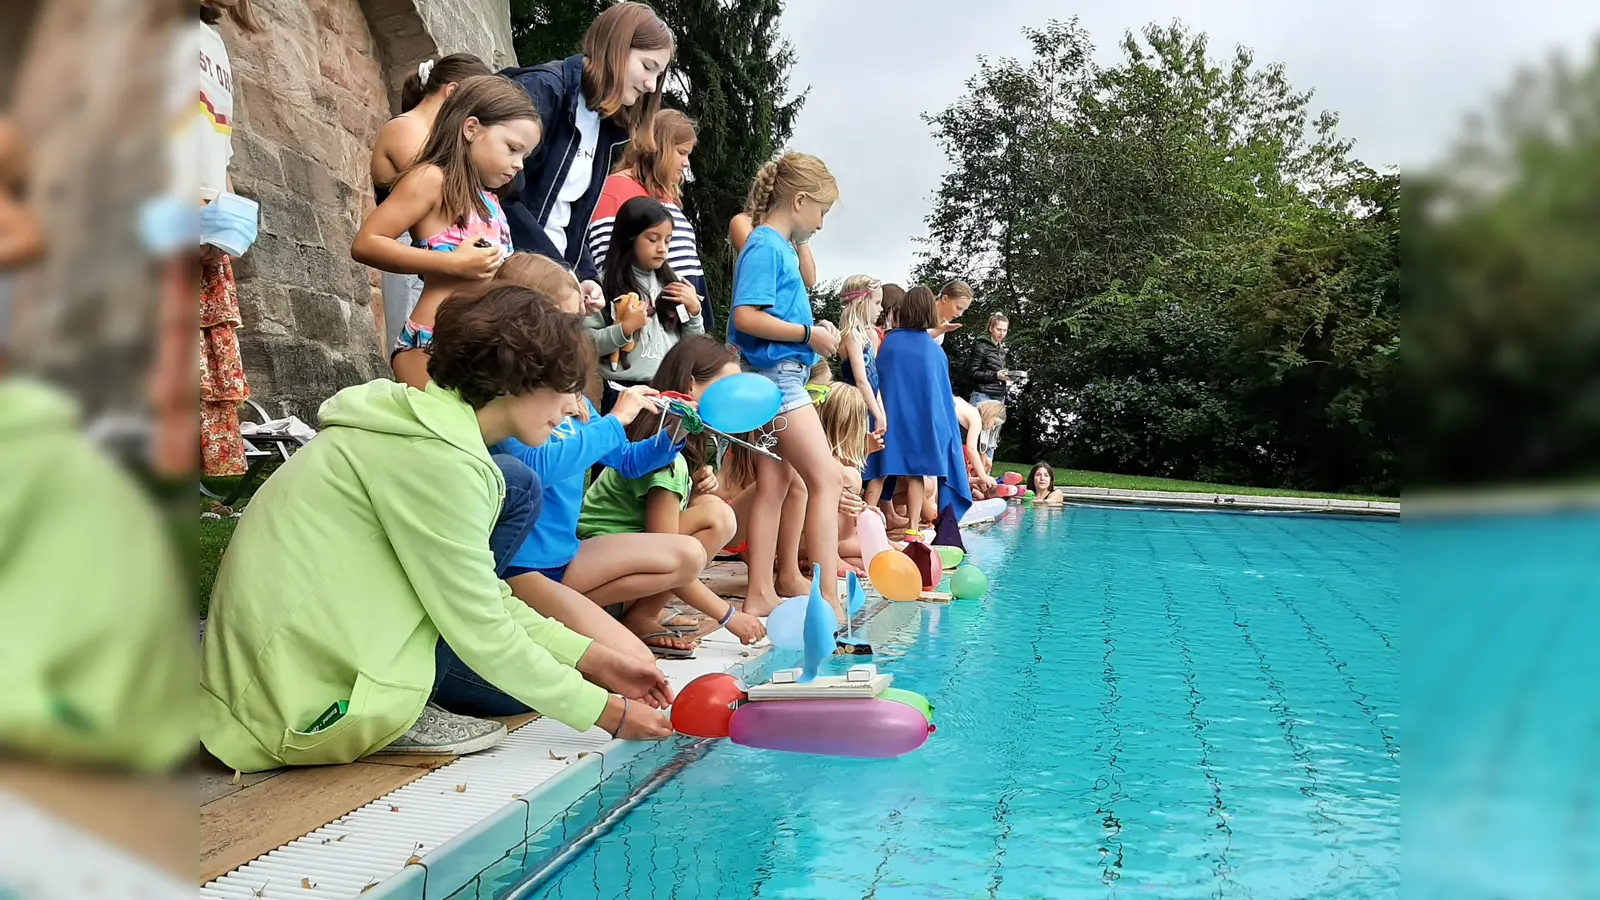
pixel 923 438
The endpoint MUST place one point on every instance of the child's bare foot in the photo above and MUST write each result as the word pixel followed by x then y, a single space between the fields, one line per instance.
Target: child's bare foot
pixel 794 585
pixel 761 604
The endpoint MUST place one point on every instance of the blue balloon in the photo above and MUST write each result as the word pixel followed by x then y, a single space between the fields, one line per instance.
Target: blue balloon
pixel 740 403
pixel 786 624
pixel 821 624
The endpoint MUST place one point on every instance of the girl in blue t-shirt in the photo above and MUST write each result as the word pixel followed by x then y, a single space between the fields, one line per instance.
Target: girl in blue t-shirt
pixel 772 327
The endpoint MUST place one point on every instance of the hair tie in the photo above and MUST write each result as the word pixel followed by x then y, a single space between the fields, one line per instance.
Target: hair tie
pixel 425 69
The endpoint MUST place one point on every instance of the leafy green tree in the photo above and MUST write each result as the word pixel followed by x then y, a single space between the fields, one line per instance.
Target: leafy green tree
pixel 730 74
pixel 1501 274
pixel 1201 281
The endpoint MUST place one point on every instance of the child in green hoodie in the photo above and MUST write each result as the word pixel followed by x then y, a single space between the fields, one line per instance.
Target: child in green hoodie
pixel 358 608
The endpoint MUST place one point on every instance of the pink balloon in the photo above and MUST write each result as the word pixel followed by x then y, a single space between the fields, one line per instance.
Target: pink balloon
pixel 1012 478
pixel 868 729
pixel 874 537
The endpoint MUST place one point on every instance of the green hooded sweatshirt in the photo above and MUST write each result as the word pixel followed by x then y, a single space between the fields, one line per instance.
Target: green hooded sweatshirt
pixel 348 565
pixel 99 658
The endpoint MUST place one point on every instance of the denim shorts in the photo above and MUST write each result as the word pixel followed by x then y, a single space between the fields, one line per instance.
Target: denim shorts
pixel 790 375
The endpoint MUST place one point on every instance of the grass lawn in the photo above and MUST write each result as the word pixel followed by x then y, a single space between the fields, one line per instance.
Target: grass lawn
pixel 1082 478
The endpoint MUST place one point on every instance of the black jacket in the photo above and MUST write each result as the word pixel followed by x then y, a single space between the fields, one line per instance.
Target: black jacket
pixel 555 88
pixel 988 358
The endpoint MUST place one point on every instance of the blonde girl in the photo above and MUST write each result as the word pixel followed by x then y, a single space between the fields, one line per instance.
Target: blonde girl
pixel 862 299
pixel 476 147
pixel 771 325
pixel 843 412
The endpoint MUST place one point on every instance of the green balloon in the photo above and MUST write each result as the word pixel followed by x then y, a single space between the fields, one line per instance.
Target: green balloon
pixel 910 698
pixel 969 583
pixel 950 557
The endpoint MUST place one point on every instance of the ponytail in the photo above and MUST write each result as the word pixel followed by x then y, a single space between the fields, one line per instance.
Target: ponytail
pixel 432 75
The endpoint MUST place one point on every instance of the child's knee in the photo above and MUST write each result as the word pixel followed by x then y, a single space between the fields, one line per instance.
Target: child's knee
pixel 688 556
pixel 724 524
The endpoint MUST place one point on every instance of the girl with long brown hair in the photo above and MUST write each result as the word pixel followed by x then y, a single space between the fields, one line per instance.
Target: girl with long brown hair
pixel 656 169
pixel 593 105
pixel 398 145
pixel 476 146
pixel 665 502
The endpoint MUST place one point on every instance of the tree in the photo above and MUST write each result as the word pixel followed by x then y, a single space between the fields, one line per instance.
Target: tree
pixel 1201 281
pixel 730 74
pixel 1501 269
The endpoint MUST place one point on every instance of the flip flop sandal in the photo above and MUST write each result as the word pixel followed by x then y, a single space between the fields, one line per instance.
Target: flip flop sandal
pixel 666 652
pixel 680 624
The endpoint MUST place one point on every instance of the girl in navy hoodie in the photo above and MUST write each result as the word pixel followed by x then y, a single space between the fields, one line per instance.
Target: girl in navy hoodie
pixel 591 106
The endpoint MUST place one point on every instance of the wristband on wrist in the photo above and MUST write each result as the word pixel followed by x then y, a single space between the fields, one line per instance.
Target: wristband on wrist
pixel 621 720
pixel 807 338
pixel 723 622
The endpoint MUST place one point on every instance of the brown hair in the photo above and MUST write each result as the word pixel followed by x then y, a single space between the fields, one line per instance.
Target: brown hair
pixel 613 34
pixel 918 309
pixel 956 290
pixel 787 177
pixel 821 372
pixel 654 166
pixel 892 295
pixel 501 339
pixel 1034 471
pixel 539 274
pixel 243 14
pixel 698 357
pixel 452 69
pixel 998 317
pixel 491 100
pixel 844 420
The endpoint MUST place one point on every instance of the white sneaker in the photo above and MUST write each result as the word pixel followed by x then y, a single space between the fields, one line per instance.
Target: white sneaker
pixel 445 733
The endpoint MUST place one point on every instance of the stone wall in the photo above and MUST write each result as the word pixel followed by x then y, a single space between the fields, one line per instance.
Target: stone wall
pixel 313 90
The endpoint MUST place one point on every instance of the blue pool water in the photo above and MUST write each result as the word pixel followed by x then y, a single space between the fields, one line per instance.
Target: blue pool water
pixel 1149 703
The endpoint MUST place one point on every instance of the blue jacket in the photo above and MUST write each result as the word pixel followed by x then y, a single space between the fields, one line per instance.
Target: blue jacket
pixel 561 463
pixel 555 88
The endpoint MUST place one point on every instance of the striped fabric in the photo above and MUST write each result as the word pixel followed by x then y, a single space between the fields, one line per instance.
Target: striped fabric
pixel 683 253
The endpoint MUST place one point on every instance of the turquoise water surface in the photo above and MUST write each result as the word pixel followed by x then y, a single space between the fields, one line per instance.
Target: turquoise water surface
pixel 1148 703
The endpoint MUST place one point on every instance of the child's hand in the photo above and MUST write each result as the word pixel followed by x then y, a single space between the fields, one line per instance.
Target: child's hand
pixel 747 628
pixel 947 327
pixel 874 441
pixel 594 297
pixel 633 401
pixel 684 293
pixel 473 263
pixel 640 723
pixel 825 338
pixel 850 506
pixel 630 314
pixel 705 481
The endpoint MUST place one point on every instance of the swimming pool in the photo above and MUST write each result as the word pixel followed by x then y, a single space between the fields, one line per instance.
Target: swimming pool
pixel 1149 703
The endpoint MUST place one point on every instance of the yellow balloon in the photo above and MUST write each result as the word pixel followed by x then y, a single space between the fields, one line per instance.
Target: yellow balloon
pixel 895 576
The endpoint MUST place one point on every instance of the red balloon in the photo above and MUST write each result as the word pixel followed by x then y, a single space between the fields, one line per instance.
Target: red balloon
pixel 705 705
pixel 1012 478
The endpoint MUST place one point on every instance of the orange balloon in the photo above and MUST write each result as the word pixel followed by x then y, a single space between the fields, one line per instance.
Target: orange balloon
pixel 705 705
pixel 895 576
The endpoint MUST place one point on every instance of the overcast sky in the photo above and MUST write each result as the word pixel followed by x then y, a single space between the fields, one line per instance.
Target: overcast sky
pixel 1401 74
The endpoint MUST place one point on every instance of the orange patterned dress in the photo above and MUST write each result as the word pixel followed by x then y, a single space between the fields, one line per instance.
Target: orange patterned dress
pixel 222 382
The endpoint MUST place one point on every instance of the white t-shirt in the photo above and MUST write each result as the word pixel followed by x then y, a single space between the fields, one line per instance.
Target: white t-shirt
pixel 207 140
pixel 579 175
